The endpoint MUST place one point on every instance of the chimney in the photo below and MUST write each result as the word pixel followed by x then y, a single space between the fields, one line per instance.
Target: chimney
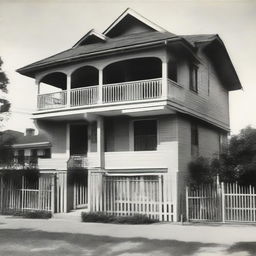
pixel 30 132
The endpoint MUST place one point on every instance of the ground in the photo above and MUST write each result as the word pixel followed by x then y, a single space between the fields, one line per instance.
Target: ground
pixel 60 236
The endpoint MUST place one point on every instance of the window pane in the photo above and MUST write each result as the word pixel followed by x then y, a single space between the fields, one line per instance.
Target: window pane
pixel 145 135
pixel 193 78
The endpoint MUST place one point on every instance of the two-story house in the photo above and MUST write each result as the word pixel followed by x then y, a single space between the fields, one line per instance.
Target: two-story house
pixel 126 110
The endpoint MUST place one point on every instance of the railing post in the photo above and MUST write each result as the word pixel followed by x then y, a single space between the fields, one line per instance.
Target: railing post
pixel 100 87
pixel 164 78
pixel 68 90
pixel 223 201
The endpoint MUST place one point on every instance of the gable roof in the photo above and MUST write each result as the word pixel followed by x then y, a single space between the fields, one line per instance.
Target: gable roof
pixel 111 44
pixel 93 36
pixel 103 44
pixel 139 18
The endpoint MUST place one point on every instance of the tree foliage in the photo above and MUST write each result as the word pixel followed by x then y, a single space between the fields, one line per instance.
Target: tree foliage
pixel 3 78
pixel 237 164
pixel 4 103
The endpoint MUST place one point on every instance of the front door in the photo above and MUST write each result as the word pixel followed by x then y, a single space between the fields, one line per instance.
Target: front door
pixel 78 139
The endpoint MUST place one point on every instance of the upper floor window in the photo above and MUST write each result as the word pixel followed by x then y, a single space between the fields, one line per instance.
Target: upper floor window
pixel 173 71
pixel 193 78
pixel 145 135
pixel 194 140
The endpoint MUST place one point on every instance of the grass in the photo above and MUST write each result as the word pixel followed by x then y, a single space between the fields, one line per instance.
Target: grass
pixel 101 217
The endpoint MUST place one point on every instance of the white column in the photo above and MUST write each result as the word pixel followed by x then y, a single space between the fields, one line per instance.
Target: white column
pixel 68 89
pixel 38 86
pixel 100 141
pixel 38 102
pixel 100 86
pixel 67 141
pixel 164 78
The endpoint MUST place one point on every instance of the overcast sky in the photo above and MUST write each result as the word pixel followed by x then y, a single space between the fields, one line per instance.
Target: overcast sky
pixel 32 30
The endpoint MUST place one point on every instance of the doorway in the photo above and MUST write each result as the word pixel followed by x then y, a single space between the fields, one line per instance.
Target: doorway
pixel 78 139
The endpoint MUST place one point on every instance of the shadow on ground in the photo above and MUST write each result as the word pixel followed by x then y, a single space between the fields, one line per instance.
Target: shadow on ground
pixel 26 242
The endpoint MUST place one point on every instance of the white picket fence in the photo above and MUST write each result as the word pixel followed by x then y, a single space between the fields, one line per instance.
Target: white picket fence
pixel 21 194
pixel 151 195
pixel 225 203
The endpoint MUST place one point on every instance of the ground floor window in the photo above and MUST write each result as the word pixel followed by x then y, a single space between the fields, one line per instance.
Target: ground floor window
pixel 145 135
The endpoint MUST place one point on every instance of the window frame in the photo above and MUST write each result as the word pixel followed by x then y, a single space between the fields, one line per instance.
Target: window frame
pixel 193 77
pixel 132 127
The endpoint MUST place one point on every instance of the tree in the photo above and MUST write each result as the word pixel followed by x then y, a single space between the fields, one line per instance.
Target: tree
pixel 237 164
pixel 4 103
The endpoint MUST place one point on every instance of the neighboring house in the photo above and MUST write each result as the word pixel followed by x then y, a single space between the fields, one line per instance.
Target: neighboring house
pixel 7 138
pixel 130 107
pixel 29 148
pixel 23 150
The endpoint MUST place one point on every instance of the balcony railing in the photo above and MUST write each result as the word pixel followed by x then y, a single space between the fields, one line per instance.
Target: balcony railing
pixel 52 100
pixel 111 93
pixel 84 96
pixel 131 91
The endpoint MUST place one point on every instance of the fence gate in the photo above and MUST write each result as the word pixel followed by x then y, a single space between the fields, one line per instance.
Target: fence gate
pixel 20 193
pixel 203 203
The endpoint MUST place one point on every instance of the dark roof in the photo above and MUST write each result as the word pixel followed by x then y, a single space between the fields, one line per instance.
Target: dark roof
pixel 9 137
pixel 135 40
pixel 194 39
pixel 32 139
pixel 110 44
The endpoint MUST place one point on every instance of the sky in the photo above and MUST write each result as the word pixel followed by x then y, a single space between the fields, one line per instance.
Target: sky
pixel 34 29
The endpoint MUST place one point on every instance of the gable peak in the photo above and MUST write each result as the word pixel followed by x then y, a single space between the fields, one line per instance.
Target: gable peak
pixel 131 16
pixel 91 37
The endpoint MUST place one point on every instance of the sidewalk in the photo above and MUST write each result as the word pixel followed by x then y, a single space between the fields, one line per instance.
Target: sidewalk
pixel 212 233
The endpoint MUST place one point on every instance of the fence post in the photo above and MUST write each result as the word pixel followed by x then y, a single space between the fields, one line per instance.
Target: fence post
pixel 53 193
pixel 22 192
pixel 187 206
pixel 223 201
pixel 160 196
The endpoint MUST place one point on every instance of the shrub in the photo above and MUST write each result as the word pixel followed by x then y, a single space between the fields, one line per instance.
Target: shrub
pixel 97 217
pixel 37 214
pixel 104 218
pixel 40 214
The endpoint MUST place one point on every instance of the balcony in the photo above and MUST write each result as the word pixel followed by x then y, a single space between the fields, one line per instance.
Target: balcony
pixel 109 93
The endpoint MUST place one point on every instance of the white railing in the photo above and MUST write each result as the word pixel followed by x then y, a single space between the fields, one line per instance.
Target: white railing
pixel 52 100
pixel 119 92
pixel 84 96
pixel 130 91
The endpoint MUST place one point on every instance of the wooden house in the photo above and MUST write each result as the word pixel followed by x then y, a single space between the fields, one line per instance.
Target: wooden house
pixel 126 110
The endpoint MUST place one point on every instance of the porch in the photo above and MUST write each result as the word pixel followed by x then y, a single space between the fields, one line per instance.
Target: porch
pixel 132 80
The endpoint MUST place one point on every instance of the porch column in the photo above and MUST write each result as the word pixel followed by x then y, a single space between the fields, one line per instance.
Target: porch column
pixel 38 92
pixel 68 89
pixel 67 141
pixel 38 86
pixel 100 86
pixel 164 78
pixel 100 141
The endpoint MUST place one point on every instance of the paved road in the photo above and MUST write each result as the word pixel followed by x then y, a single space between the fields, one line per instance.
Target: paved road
pixel 71 237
